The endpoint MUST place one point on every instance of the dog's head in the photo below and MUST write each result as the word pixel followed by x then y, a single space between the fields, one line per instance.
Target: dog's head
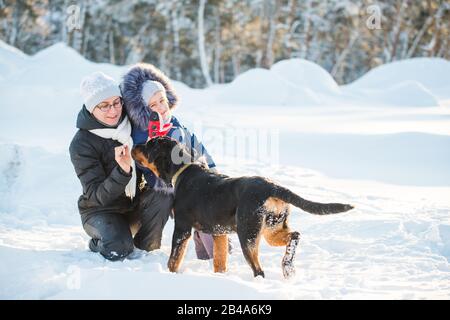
pixel 163 155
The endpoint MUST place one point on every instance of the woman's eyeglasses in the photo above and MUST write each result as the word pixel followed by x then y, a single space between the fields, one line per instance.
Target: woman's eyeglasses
pixel 105 107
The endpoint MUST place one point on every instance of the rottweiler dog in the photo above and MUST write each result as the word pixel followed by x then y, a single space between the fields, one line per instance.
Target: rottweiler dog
pixel 218 204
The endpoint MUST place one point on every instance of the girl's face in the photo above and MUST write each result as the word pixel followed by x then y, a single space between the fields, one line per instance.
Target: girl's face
pixel 160 104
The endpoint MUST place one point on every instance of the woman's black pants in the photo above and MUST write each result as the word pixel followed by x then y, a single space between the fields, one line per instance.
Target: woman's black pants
pixel 111 232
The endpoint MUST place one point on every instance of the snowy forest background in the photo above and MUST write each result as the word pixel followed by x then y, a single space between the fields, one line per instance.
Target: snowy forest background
pixel 209 41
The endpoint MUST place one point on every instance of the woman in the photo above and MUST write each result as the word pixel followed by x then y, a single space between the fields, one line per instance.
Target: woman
pixel 100 154
pixel 146 89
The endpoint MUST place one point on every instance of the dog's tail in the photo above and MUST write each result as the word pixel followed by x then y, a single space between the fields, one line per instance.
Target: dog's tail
pixel 309 206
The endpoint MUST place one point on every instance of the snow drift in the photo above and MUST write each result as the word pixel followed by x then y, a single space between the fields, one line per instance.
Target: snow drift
pixel 431 75
pixel 12 60
pixel 418 82
pixel 59 63
pixel 289 82
pixel 305 74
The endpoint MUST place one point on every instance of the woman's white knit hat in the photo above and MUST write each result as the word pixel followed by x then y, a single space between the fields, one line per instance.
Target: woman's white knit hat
pixel 98 87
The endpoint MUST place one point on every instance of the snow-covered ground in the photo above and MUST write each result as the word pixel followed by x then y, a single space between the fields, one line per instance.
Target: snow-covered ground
pixel 381 143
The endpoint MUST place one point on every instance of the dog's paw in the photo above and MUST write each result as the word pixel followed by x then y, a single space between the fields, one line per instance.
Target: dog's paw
pixel 259 274
pixel 287 264
pixel 288 268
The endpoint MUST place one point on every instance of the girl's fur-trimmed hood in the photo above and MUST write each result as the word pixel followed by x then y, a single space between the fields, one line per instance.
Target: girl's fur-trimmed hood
pixel 131 88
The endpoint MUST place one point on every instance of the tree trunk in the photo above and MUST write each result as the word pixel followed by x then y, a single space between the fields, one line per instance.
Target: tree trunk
pixel 304 51
pixel 419 36
pixel 236 65
pixel 338 65
pixel 176 40
pixel 397 29
pixel 437 32
pixel 292 25
pixel 64 35
pixel 201 44
pixel 112 58
pixel 86 38
pixel 217 46
pixel 163 64
pixel 273 14
pixel 15 25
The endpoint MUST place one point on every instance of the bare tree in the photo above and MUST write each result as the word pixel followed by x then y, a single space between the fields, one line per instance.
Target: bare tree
pixel 272 15
pixel 201 43
pixel 217 44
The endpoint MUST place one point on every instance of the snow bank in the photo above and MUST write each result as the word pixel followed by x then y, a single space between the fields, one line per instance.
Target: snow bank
pixel 37 186
pixel 432 73
pixel 407 158
pixel 12 60
pixel 289 82
pixel 404 94
pixel 305 74
pixel 256 86
pixel 413 82
pixel 419 82
pixel 62 64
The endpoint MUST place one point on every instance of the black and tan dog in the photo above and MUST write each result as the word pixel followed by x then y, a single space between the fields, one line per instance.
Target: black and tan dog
pixel 217 204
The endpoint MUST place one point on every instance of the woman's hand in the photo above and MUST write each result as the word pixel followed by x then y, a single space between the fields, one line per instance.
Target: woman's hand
pixel 123 157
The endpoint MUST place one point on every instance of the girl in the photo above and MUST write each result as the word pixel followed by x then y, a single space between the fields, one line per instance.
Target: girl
pixel 145 89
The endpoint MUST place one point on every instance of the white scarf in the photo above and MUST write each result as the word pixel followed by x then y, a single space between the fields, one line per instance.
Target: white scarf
pixel 122 134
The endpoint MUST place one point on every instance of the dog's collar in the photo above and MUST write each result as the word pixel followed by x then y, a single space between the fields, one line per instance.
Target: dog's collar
pixel 177 174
